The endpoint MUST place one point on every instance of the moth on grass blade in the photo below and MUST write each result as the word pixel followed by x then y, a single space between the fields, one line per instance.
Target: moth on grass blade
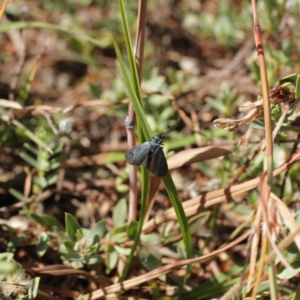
pixel 151 155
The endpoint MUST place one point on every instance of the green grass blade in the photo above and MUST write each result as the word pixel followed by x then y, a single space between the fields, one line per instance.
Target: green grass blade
pixel 133 96
pixel 176 203
pixel 76 34
pixel 183 224
pixel 130 54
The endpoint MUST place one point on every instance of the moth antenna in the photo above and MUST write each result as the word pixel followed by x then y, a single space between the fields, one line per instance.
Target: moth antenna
pixel 163 135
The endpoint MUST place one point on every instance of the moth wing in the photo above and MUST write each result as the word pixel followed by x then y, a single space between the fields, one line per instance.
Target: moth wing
pixel 144 162
pixel 157 165
pixel 138 155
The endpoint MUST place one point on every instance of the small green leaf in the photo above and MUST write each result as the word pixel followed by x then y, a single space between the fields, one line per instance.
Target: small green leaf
pixel 111 260
pixel 38 219
pixel 91 249
pixel 42 244
pixel 56 161
pixel 122 188
pixel 264 287
pixel 52 178
pixel 51 221
pixel 151 263
pixel 45 220
pixel 97 232
pixel 289 78
pixel 119 237
pixel 122 250
pixel 69 246
pixel 285 273
pixel 120 213
pixel 18 195
pixel 74 256
pixel 29 159
pixel 72 227
pixel 77 265
pixel 93 259
pixel 41 181
pixel 32 149
pixel 132 230
pixel 34 287
pixel 95 90
pixel 292 256
pixel 152 238
pixel 119 229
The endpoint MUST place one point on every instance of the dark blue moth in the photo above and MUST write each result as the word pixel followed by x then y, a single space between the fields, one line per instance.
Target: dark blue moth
pixel 151 155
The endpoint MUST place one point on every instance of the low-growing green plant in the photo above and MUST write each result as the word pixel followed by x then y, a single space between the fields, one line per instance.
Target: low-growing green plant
pixel 225 101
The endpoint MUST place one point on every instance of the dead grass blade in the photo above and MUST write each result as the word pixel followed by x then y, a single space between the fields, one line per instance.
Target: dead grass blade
pixel 10 104
pixel 92 160
pixel 190 156
pixel 254 245
pixel 287 217
pixel 51 109
pixel 61 270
